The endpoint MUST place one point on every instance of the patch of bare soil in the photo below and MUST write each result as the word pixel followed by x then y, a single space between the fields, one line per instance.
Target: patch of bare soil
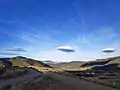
pixel 46 83
pixel 52 81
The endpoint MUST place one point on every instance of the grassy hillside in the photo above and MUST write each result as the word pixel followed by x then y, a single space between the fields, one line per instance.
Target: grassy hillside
pixel 101 63
pixel 68 65
pixel 106 61
pixel 23 61
pixel 115 61
pixel 88 65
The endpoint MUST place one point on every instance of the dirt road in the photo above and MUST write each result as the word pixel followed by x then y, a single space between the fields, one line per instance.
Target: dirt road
pixel 53 81
pixel 76 83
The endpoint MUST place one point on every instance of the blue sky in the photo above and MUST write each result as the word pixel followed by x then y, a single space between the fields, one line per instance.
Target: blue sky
pixel 39 26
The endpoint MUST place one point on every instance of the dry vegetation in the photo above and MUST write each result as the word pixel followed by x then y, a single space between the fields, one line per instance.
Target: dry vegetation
pixel 56 82
pixel 52 81
pixel 7 73
pixel 68 65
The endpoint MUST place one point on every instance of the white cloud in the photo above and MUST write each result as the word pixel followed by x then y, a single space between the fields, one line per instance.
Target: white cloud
pixel 63 56
pixel 78 55
pixel 87 47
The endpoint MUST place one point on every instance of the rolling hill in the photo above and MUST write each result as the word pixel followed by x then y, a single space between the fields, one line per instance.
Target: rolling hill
pixel 102 64
pixel 67 65
pixel 23 62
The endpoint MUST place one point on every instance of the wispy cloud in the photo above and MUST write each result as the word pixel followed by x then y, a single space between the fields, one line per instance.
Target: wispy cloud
pixel 8 53
pixel 88 29
pixel 88 47
pixel 99 37
pixel 15 49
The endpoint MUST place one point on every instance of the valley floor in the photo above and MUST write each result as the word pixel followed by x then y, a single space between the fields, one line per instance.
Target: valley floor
pixel 53 81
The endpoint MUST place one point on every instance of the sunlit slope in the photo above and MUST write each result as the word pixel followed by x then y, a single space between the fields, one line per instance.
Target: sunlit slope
pixel 27 62
pixel 23 61
pixel 115 61
pixel 68 65
pixel 101 64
